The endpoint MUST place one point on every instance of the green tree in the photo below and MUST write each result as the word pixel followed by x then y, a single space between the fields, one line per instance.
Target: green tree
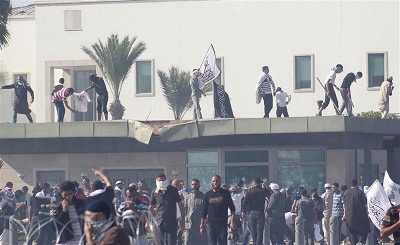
pixel 5 12
pixel 115 59
pixel 177 91
pixel 376 114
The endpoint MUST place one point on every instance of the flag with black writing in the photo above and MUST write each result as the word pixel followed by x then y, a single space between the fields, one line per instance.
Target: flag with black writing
pixel 222 104
pixel 208 68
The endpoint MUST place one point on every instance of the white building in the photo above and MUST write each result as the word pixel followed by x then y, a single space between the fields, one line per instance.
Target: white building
pixel 298 40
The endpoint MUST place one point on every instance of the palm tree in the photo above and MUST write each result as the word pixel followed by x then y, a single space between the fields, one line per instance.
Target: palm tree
pixel 177 91
pixel 115 60
pixel 5 12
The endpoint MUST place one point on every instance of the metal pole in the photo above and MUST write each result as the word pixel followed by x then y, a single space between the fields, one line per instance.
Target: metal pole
pixel 299 230
pixel 334 232
pixel 13 230
pixel 266 233
pixel 370 237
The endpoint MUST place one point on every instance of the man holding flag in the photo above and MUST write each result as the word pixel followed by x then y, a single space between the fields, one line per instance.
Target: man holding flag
pixel 196 93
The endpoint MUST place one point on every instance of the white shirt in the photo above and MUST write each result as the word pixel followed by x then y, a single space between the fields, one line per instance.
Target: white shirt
pixel 42 195
pixel 281 100
pixel 331 77
pixel 81 101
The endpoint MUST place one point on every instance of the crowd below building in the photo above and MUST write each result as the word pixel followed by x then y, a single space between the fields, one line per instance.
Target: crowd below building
pixel 99 213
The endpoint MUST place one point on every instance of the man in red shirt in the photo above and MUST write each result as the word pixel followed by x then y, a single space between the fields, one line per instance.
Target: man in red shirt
pixel 60 99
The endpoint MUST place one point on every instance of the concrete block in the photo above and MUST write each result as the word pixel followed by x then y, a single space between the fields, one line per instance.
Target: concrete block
pixel 288 125
pixel 326 124
pixel 42 130
pixel 12 130
pixel 76 129
pixel 252 126
pixel 215 127
pixel 111 129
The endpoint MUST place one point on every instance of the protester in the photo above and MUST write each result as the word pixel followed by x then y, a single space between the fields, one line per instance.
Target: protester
pixel 265 89
pixel 385 91
pixel 337 207
pixel 194 205
pixel 99 192
pixel 43 198
pixel 8 203
pixel 329 90
pixel 60 99
pixel 282 100
pixel 58 87
pixel 327 198
pixel 305 209
pixel 163 205
pixel 21 89
pixel 100 227
pixel 346 93
pixel 68 225
pixel 391 224
pixel 102 94
pixel 216 204
pixel 196 93
pixel 86 187
pixel 119 196
pixel 276 214
pixel 356 214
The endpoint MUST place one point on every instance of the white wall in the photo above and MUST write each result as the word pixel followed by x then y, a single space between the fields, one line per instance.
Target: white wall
pixel 248 34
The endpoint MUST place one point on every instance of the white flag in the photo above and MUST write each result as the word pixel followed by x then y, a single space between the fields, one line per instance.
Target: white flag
pixel 378 203
pixel 392 189
pixel 208 68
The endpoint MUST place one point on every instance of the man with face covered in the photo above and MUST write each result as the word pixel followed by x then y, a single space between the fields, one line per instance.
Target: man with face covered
pixel 193 210
pixel 216 204
pixel 163 205
pixel 101 228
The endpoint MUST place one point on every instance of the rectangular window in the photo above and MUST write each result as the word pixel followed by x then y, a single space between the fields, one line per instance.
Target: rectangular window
pixel 202 158
pixel 303 72
pixel 246 173
pixel 72 20
pixel 303 175
pixel 246 156
pixel 144 77
pixel 219 80
pixel 203 174
pixel 377 69
pixel 301 156
pixel 53 178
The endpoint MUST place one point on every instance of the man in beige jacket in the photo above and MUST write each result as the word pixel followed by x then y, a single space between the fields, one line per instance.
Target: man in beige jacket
pixel 384 93
pixel 327 198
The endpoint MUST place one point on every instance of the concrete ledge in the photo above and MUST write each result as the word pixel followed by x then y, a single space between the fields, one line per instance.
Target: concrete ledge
pixel 252 126
pixel 176 132
pixel 42 130
pixel 76 129
pixel 289 125
pixel 12 130
pixel 326 124
pixel 220 126
pixel 111 128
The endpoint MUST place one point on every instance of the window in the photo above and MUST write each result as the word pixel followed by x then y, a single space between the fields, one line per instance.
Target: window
pixel 53 178
pixel 377 68
pixel 219 80
pixel 81 81
pixel 246 156
pixel 144 77
pixel 303 72
pixel 301 156
pixel 202 166
pixel 308 176
pixel 127 176
pixel 246 173
pixel 374 173
pixel 72 20
pixel 16 75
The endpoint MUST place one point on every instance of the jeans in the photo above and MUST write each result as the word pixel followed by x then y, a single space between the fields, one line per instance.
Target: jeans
pixel 267 104
pixel 281 110
pixel 257 223
pixel 346 104
pixel 289 233
pixel 309 233
pixel 60 110
pixel 102 103
pixel 28 115
pixel 217 234
pixel 333 97
pixel 246 232
pixel 196 108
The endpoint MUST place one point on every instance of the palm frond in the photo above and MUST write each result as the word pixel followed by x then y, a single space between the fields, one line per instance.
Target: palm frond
pixel 5 12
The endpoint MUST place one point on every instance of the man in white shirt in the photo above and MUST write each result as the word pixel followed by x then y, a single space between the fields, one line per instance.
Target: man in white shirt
pixel 329 91
pixel 46 233
pixel 282 99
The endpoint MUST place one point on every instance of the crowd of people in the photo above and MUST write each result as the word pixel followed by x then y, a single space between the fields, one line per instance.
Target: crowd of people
pixel 98 213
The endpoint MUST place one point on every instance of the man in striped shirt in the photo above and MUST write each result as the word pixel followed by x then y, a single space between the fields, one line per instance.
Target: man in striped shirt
pixel 337 206
pixel 60 99
pixel 264 85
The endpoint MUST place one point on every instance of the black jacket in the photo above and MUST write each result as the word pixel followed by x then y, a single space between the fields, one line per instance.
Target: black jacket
pixel 62 218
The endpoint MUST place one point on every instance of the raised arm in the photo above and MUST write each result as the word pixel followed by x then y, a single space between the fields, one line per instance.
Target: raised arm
pixel 102 176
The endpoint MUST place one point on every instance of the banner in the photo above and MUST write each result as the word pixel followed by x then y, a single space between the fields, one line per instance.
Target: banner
pixel 208 68
pixel 222 104
pixel 378 203
pixel 392 189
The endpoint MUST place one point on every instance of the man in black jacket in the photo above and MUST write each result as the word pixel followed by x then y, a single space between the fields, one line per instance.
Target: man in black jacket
pixel 21 89
pixel 216 204
pixel 276 214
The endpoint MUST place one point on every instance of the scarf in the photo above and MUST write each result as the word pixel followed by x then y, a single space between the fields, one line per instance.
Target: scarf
pixel 9 196
pixel 161 185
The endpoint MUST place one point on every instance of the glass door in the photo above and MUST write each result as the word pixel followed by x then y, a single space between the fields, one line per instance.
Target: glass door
pixel 81 81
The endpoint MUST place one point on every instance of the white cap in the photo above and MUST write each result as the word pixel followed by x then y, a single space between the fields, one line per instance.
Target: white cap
pixel 274 186
pixel 118 182
pixel 327 185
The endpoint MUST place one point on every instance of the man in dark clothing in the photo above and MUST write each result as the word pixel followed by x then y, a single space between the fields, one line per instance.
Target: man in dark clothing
pixel 276 214
pixel 163 205
pixel 102 94
pixel 346 93
pixel 58 87
pixel 216 204
pixel 99 192
pixel 391 224
pixel 254 205
pixel 21 89
pixel 305 208
pixel 356 214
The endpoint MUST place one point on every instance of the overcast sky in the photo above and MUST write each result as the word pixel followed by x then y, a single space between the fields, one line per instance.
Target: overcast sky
pixel 19 3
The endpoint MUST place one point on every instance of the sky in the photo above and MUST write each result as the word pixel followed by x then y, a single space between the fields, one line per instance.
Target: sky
pixel 19 3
